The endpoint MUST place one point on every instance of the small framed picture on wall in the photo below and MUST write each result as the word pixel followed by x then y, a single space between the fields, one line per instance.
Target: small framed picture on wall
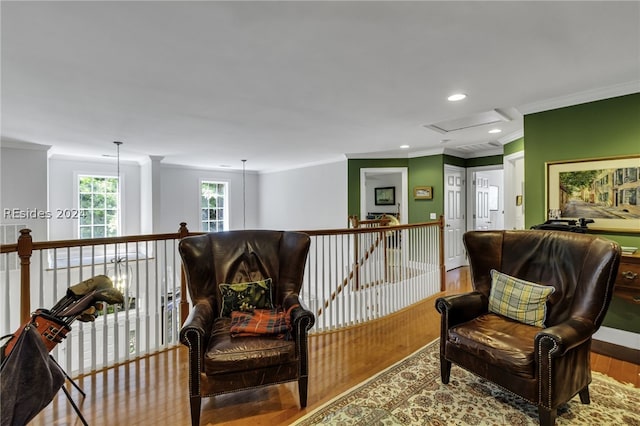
pixel 423 192
pixel 385 196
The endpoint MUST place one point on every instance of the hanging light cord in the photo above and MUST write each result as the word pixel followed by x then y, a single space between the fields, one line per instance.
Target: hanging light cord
pixel 118 143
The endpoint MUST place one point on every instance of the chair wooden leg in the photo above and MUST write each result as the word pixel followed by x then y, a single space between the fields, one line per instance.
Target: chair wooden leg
pixel 195 410
pixel 584 395
pixel 547 416
pixel 445 370
pixel 302 390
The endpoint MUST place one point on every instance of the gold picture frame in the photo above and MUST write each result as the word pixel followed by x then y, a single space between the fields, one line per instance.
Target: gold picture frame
pixel 606 190
pixel 423 192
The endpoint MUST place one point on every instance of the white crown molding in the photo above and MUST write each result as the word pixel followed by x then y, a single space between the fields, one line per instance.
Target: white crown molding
pixel 91 159
pixel 511 137
pixel 473 154
pixel 224 170
pixel 581 97
pixel 393 154
pixel 374 155
pixel 437 151
pixel 338 159
pixel 14 144
pixel 427 152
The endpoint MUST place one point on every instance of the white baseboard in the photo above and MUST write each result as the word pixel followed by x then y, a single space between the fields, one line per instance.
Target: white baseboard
pixel 618 337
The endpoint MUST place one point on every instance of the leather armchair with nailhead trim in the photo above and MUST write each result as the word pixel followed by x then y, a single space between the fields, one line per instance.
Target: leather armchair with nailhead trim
pixel 546 366
pixel 218 362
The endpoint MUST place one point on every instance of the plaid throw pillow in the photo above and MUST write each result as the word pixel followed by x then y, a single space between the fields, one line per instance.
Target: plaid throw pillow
pixel 519 299
pixel 260 322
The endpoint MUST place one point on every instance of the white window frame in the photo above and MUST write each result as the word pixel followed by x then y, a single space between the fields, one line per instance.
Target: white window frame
pixel 77 177
pixel 225 207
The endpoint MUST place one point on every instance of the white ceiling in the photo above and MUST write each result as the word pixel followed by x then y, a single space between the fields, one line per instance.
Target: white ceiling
pixel 288 84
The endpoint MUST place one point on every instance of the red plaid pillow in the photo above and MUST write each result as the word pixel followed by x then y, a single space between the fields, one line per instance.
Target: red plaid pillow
pixel 260 322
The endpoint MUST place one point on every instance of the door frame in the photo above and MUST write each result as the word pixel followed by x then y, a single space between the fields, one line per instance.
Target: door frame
pixel 471 189
pixel 404 190
pixel 513 187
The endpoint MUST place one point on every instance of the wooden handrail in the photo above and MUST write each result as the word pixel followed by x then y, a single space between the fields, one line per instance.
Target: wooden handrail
pixel 25 247
pixel 359 261
pixel 316 232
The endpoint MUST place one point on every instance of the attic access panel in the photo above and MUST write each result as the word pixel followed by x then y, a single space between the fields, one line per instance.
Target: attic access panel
pixel 480 119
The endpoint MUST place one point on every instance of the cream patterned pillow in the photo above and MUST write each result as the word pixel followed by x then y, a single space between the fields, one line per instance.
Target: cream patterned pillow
pixel 519 299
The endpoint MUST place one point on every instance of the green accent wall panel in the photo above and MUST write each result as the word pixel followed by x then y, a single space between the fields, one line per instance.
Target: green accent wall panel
pixel 422 171
pixel 513 147
pixel 353 177
pixel 605 128
pixel 426 171
pixel 454 161
pixel 491 160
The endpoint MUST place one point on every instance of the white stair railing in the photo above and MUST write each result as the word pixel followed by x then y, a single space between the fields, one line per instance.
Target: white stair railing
pixel 358 275
pixel 352 276
pixel 147 269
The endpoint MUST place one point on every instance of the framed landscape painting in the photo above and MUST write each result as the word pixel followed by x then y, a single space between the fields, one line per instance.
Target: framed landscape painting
pixel 606 190
pixel 385 196
pixel 423 193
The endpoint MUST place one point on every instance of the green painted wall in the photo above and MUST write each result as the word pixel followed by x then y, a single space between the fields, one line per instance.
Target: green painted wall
pixel 454 161
pixel 605 128
pixel 353 177
pixel 422 171
pixel 426 171
pixel 514 146
pixel 484 161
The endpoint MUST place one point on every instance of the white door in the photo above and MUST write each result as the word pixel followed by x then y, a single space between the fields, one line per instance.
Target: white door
pixel 486 195
pixel 481 216
pixel 454 208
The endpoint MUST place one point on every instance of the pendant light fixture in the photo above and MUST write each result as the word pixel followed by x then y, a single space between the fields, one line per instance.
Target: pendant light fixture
pixel 120 274
pixel 117 144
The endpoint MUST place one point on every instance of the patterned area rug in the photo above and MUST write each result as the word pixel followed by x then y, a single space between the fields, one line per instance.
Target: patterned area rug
pixel 411 393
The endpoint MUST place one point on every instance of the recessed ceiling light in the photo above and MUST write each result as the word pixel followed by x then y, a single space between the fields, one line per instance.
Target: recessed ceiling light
pixel 495 131
pixel 404 146
pixel 457 97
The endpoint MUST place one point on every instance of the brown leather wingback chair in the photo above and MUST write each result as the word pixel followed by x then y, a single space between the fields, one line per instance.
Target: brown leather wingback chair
pixel 219 363
pixel 545 366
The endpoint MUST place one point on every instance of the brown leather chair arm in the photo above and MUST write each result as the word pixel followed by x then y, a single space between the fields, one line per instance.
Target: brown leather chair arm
pixel 195 335
pixel 460 308
pixel 195 330
pixel 302 319
pixel 561 338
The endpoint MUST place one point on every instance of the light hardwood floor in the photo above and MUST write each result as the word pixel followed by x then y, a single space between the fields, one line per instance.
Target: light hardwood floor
pixel 153 390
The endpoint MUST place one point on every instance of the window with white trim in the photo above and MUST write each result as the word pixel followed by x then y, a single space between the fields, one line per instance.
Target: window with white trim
pixel 213 206
pixel 99 206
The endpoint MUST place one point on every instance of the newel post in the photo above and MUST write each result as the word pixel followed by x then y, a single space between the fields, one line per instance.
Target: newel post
pixel 25 248
pixel 184 304
pixel 443 268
